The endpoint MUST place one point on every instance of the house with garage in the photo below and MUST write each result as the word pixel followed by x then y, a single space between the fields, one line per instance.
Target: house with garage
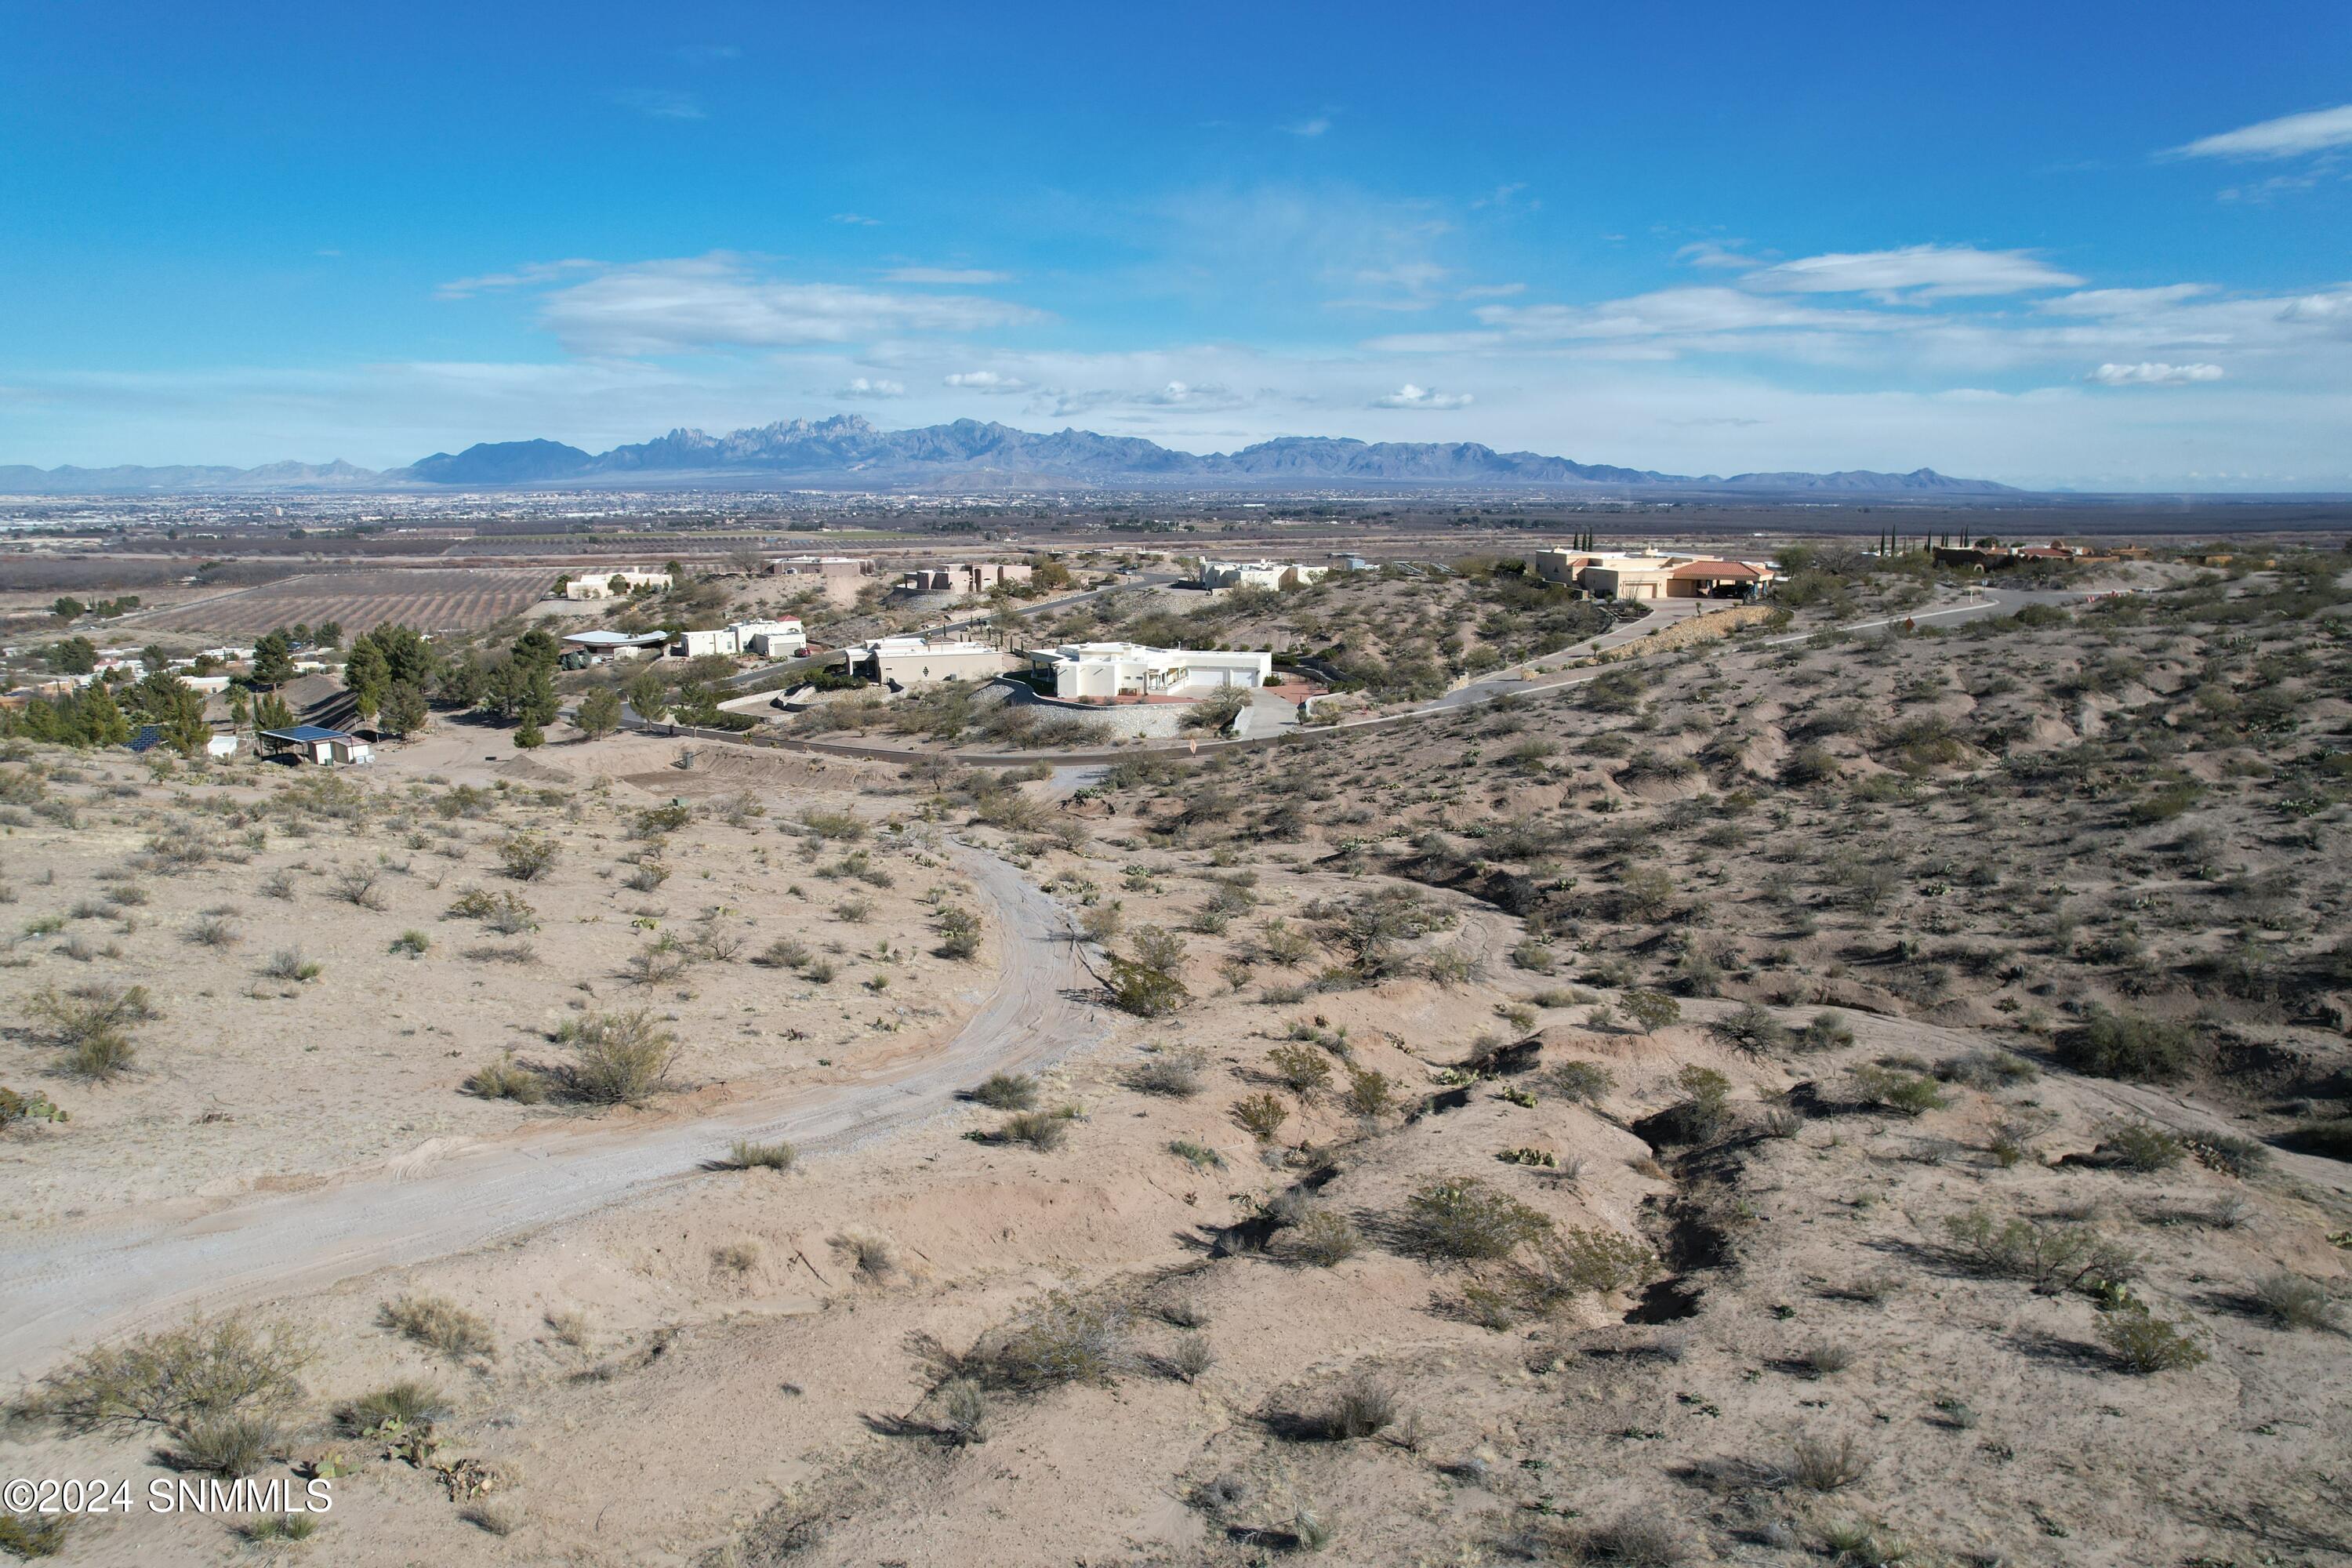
pixel 583 649
pixel 594 585
pixel 1116 671
pixel 1651 574
pixel 765 639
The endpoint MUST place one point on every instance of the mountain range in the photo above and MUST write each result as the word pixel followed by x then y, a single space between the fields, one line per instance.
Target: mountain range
pixel 847 450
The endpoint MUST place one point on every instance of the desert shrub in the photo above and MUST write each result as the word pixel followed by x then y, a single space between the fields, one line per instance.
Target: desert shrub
pixel 527 857
pixel 645 876
pixel 1535 957
pixel 2051 1255
pixel 1174 1072
pixel 1323 1237
pixel 288 964
pixel 1369 1093
pixel 212 930
pixel 1361 1407
pixel 1466 1220
pixel 1191 1356
pixel 1261 1115
pixel 1704 1113
pixel 963 1411
pixel 1060 1340
pixel 1041 1130
pixel 782 954
pixel 2143 1342
pixel 870 1252
pixel 175 1380
pixel 404 1404
pixel 822 825
pixel 1633 1542
pixel 1302 1070
pixel 745 1154
pixel 623 1058
pixel 1988 1069
pixel 1199 1155
pixel 1751 1029
pixel 654 821
pixel 658 962
pixel 1584 1082
pixel 1149 984
pixel 440 1325
pixel 959 933
pixel 2125 1046
pixel 1825 1358
pixel 1825 1032
pixel 1818 1465
pixel 507 1079
pixel 1650 1010
pixel 1890 1088
pixel 2139 1147
pixel 1007 1091
pixel 227 1446
pixel 2293 1301
pixel 415 943
pixel 357 885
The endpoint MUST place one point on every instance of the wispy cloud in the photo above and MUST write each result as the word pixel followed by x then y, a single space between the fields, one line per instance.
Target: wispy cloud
pixel 657 103
pixel 858 220
pixel 967 276
pixel 872 387
pixel 2289 136
pixel 1314 127
pixel 2154 373
pixel 523 277
pixel 1707 253
pixel 1411 396
pixel 720 301
pixel 1919 271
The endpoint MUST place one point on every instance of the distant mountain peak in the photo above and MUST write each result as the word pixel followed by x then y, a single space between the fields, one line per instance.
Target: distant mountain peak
pixel 848 447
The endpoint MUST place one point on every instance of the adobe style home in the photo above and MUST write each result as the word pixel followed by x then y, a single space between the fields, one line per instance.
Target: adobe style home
pixel 1649 574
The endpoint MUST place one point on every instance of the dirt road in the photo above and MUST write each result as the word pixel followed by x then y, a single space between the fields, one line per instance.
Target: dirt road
pixel 61 1291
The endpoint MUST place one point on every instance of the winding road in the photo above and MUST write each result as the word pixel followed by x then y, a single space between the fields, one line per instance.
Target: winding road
pixel 57 1291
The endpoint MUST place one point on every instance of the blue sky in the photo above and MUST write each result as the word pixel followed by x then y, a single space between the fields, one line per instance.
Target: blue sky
pixel 2103 246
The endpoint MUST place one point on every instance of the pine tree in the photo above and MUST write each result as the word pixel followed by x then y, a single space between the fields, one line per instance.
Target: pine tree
pixel 528 737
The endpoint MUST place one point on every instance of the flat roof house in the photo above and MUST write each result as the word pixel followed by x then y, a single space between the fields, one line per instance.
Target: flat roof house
pixel 840 578
pixel 965 577
pixel 1108 671
pixel 768 639
pixel 1649 575
pixel 315 743
pixel 1258 574
pixel 918 661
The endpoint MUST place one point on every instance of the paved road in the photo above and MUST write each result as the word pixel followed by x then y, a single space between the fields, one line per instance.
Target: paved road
pixel 61 1290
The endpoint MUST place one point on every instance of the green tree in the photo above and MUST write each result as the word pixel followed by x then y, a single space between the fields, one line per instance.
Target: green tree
pixel 272 714
pixel 167 702
pixel 529 736
pixel 67 608
pixel 96 721
pixel 367 675
pixel 404 710
pixel 647 698
pixel 466 683
pixel 330 634
pixel 1651 1010
pixel 74 655
pixel 154 657
pixel 273 660
pixel 600 713
pixel 538 646
pixel 405 653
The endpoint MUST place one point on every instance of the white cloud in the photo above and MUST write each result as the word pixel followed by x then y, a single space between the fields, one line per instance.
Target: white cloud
pixel 2121 302
pixel 1678 313
pixel 1707 253
pixel 968 277
pixel 1411 396
pixel 654 104
pixel 1310 128
pixel 872 387
pixel 520 277
pixel 2289 136
pixel 856 219
pixel 987 380
pixel 1921 272
pixel 2150 372
pixel 719 302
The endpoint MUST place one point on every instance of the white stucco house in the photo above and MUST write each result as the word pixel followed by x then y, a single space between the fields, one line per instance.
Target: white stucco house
pixel 1270 574
pixel 1097 671
pixel 768 639
pixel 919 661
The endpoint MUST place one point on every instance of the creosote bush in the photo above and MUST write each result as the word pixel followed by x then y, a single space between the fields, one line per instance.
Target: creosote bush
pixel 1061 1339
pixel 2124 1046
pixel 1463 1219
pixel 2143 1342
pixel 179 1382
pixel 1007 1091
pixel 1325 1239
pixel 621 1059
